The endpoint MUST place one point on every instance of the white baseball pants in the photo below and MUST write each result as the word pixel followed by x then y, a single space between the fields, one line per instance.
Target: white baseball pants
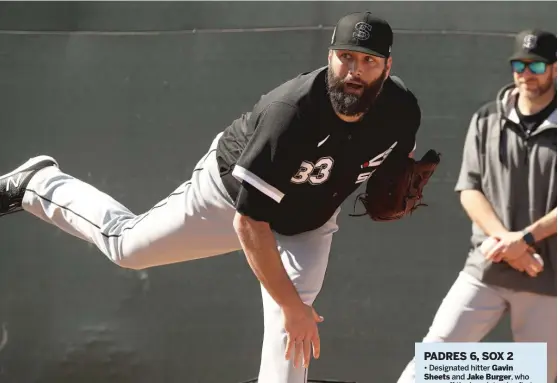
pixel 471 309
pixel 194 221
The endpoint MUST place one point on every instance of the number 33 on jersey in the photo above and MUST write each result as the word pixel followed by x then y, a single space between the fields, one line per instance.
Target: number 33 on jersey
pixel 315 174
pixel 319 172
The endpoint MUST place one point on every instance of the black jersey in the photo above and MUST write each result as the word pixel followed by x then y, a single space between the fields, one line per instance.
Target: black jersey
pixel 292 161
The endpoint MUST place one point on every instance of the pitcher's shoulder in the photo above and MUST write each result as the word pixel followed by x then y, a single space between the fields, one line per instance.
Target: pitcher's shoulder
pixel 294 92
pixel 396 87
pixel 399 100
pixel 398 95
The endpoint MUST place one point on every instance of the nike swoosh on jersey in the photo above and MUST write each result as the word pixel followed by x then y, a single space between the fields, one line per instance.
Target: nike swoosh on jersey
pixel 322 141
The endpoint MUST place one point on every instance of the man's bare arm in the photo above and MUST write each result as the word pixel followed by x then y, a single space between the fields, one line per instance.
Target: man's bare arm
pixel 544 227
pixel 260 248
pixel 481 212
pixel 263 257
pixel 512 245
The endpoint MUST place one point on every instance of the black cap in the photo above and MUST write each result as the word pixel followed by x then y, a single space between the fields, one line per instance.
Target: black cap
pixel 362 32
pixel 535 44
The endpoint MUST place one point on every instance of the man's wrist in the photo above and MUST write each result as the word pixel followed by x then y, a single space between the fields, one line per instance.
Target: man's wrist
pixel 293 305
pixel 528 238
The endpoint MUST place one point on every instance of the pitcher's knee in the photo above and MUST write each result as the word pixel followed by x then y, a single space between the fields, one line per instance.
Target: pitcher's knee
pixel 136 259
pixel 130 263
pixel 127 261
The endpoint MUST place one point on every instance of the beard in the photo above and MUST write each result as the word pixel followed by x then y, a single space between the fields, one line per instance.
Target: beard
pixel 350 104
pixel 540 90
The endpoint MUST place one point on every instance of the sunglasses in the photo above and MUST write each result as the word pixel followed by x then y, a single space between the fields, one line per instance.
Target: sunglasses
pixel 536 67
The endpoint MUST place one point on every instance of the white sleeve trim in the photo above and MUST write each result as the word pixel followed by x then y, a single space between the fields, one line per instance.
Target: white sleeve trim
pixel 412 152
pixel 246 175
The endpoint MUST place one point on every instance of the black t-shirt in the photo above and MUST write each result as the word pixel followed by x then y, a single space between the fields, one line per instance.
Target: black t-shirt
pixel 292 161
pixel 531 123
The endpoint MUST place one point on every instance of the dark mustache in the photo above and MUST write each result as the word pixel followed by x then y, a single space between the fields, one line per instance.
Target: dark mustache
pixel 356 81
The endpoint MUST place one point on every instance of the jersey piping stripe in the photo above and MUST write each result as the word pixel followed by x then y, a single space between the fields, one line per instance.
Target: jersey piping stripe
pixel 258 183
pixel 138 219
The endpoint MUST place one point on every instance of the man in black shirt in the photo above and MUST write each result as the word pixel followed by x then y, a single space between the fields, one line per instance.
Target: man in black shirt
pixel 271 184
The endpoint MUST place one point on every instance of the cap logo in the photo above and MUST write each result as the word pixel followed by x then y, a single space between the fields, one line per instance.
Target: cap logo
pixel 362 31
pixel 529 41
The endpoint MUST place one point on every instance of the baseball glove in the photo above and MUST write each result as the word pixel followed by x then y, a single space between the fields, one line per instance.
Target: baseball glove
pixel 395 189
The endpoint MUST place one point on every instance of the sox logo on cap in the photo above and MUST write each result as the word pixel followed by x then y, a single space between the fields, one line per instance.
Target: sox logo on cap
pixel 529 41
pixel 362 31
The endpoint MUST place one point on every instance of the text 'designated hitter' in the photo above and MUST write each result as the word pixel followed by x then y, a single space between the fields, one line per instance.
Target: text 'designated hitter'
pixel 480 362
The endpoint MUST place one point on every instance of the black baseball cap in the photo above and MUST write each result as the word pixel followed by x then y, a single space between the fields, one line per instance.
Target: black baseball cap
pixel 535 44
pixel 362 32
